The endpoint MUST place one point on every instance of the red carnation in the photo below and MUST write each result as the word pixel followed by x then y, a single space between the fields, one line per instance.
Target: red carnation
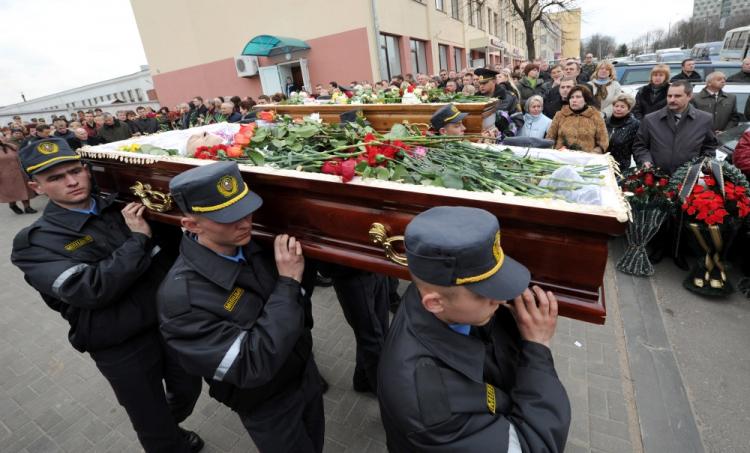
pixel 347 170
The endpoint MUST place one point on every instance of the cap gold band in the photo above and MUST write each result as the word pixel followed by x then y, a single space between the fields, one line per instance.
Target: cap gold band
pixel 451 117
pixel 49 161
pixel 222 205
pixel 499 257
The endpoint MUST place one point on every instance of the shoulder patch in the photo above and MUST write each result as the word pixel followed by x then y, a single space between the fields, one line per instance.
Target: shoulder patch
pixel 432 395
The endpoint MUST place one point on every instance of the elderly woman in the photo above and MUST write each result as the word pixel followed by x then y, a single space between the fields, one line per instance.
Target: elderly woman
pixel 604 87
pixel 13 187
pixel 622 127
pixel 535 123
pixel 653 96
pixel 579 125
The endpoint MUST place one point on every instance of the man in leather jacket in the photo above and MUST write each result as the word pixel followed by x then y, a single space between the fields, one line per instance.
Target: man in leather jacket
pixel 457 373
pixel 100 267
pixel 239 319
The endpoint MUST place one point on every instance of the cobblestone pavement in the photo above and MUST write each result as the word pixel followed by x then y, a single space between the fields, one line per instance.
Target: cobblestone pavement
pixel 52 398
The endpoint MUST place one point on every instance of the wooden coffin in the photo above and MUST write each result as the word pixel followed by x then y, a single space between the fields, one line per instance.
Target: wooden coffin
pixel 383 116
pixel 565 249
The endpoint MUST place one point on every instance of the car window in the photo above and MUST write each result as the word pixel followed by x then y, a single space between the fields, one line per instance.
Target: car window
pixel 635 75
pixel 726 69
pixel 741 100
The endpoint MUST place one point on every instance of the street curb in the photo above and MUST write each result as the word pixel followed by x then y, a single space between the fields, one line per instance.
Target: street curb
pixel 665 415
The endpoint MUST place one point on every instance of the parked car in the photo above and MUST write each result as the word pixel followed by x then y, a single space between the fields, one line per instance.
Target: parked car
pixel 634 76
pixel 644 57
pixel 707 51
pixel 669 57
pixel 728 140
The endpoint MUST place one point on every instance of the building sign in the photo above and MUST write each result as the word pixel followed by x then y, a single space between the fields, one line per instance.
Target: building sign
pixel 494 42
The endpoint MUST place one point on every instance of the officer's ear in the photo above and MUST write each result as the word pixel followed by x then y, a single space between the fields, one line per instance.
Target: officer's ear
pixel 34 185
pixel 433 302
pixel 191 224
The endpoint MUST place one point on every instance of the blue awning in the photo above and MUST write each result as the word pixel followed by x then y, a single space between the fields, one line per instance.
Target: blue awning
pixel 268 46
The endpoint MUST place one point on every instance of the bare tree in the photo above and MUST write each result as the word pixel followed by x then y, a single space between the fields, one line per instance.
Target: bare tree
pixel 600 45
pixel 532 12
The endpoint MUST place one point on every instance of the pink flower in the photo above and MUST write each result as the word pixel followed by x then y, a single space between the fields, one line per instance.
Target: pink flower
pixel 420 151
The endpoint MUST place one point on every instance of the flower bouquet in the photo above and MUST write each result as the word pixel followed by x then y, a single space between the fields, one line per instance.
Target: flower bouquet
pixel 713 200
pixel 647 193
pixel 404 154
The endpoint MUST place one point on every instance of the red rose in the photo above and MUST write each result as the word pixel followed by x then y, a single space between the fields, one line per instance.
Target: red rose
pixel 648 179
pixel 663 182
pixel 410 89
pixel 347 170
pixel 639 191
pixel 332 167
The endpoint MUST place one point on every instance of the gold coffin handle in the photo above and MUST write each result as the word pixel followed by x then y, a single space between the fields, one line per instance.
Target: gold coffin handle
pixel 379 236
pixel 152 199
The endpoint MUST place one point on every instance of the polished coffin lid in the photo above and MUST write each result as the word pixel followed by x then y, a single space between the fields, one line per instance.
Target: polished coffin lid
pixel 563 244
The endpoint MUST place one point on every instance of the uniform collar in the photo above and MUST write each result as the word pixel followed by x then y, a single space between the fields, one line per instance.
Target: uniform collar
pixel 462 353
pixel 212 266
pixel 70 219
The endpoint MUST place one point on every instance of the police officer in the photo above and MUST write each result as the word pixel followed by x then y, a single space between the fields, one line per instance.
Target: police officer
pixel 239 319
pixel 448 120
pixel 457 372
pixel 488 86
pixel 100 267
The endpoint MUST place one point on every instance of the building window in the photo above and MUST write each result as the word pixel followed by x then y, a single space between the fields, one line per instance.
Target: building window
pixel 390 58
pixel 139 94
pixel 109 97
pixel 418 56
pixel 455 9
pixel 472 13
pixel 130 96
pixel 439 5
pixel 480 22
pixel 457 58
pixel 496 31
pixel 443 56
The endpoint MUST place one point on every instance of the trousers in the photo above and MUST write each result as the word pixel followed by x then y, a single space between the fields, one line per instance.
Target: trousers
pixel 138 371
pixel 291 422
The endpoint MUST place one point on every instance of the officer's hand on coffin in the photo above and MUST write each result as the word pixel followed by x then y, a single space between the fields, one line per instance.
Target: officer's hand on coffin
pixel 133 215
pixel 289 259
pixel 536 315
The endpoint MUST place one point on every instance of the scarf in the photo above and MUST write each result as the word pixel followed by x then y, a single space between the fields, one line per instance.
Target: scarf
pixel 532 82
pixel 601 92
pixel 578 112
pixel 618 122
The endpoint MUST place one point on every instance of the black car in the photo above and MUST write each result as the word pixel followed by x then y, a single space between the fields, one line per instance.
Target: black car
pixel 729 138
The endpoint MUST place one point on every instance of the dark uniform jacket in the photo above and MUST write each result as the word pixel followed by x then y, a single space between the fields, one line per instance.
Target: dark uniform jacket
pixel 667 145
pixel 722 107
pixel 94 271
pixel 553 103
pixel 242 327
pixel 436 387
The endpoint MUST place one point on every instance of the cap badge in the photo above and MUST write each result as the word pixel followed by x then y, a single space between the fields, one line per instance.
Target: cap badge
pixel 47 148
pixel 227 186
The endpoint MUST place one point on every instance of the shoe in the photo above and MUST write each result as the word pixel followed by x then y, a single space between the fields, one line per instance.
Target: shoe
pixel 656 255
pixel 30 210
pixel 323 282
pixel 360 383
pixel 193 439
pixel 681 262
pixel 14 207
